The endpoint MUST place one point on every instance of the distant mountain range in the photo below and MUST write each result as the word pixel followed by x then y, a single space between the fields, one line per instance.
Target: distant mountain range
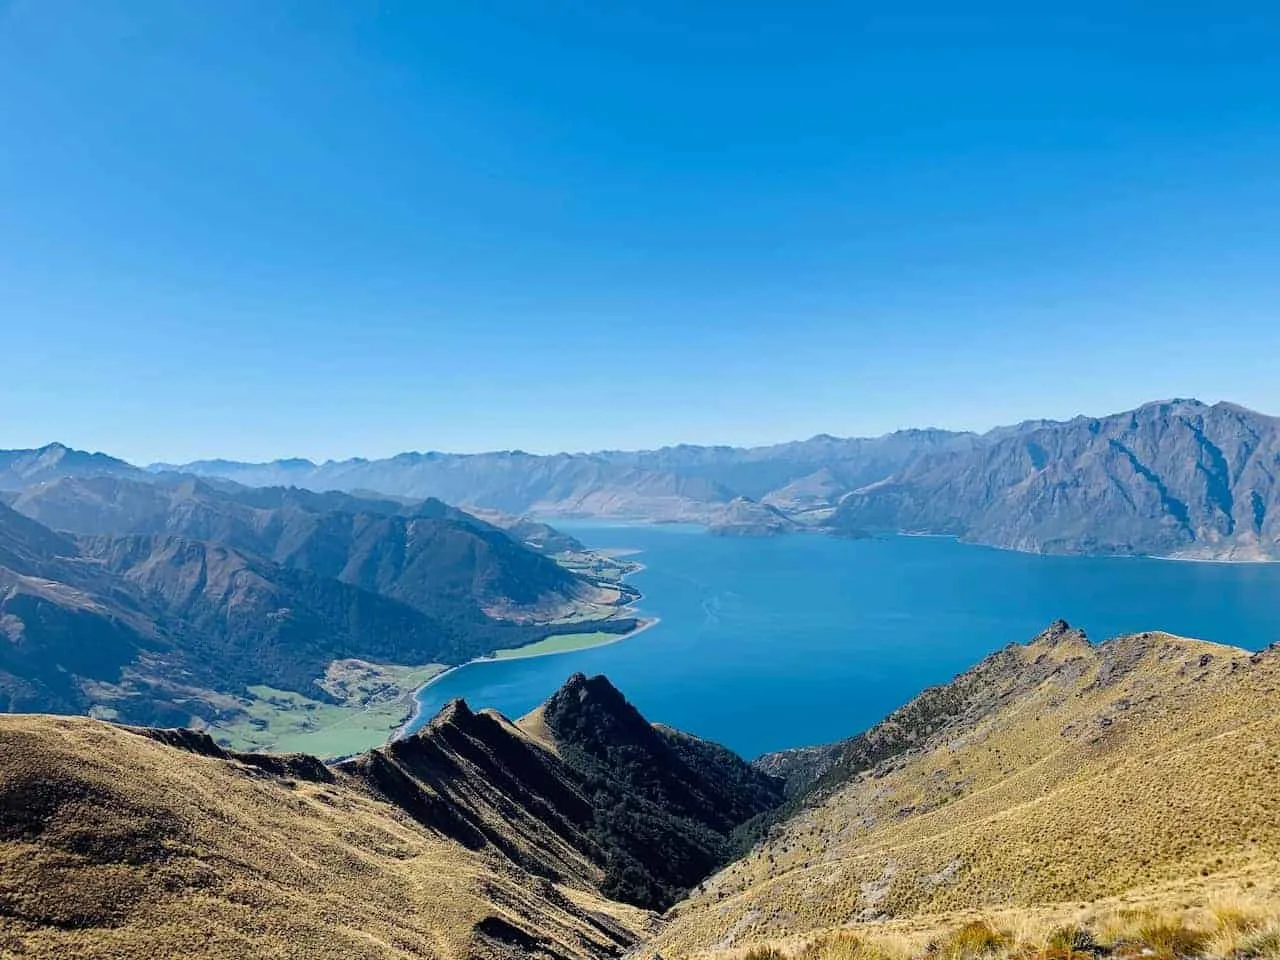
pixel 722 487
pixel 198 580
pixel 1178 478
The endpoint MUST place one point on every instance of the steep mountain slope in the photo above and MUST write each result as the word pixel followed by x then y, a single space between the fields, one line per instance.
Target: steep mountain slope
pixel 641 812
pixel 445 563
pixel 171 630
pixel 1053 773
pixel 663 803
pixel 117 845
pixel 1177 478
pixel 61 620
pixel 245 620
pixel 474 837
pixel 21 468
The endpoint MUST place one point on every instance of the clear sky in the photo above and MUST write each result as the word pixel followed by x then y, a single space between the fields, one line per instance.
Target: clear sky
pixel 258 229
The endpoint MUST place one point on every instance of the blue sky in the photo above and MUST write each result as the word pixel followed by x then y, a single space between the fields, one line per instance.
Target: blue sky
pixel 328 229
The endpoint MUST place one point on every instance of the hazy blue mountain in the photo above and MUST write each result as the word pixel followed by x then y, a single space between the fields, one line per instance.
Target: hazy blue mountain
pixel 21 468
pixel 1178 478
pixel 682 483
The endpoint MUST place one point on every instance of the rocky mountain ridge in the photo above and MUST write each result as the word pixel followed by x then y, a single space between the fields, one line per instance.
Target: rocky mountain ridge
pixel 476 836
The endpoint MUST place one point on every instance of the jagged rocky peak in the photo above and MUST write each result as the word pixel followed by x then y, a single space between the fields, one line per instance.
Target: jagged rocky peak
pixel 583 687
pixel 457 717
pixel 1060 633
pixel 455 711
pixel 593 708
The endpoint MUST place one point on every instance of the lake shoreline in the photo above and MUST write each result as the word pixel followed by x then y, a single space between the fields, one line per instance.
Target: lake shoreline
pixel 805 640
pixel 642 624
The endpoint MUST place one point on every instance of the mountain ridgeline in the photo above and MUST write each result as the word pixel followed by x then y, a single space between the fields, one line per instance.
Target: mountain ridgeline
pixel 1115 788
pixel 1174 479
pixel 1178 478
pixel 551 836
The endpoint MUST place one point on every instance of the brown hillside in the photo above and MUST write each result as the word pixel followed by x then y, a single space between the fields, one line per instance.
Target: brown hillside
pixel 470 838
pixel 115 845
pixel 1053 773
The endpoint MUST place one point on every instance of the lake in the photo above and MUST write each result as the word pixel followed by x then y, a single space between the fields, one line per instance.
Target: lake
pixel 767 643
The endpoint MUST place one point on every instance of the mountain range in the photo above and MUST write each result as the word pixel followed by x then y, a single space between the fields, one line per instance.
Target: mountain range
pixel 170 600
pixel 1180 478
pixel 1175 478
pixel 1061 799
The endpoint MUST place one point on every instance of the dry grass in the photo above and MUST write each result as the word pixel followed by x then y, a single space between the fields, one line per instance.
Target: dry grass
pixel 117 847
pixel 1080 773
pixel 1235 928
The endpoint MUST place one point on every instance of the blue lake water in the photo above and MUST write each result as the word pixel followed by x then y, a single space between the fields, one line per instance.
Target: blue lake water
pixel 772 643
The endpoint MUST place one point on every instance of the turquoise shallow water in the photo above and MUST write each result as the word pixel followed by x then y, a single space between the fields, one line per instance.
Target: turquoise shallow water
pixel 772 643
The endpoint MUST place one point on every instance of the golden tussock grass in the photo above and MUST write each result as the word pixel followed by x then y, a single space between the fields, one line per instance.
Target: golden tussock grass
pixel 1079 773
pixel 1233 929
pixel 114 846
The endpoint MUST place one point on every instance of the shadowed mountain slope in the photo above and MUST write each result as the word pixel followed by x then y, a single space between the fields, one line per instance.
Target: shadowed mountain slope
pixel 62 619
pixel 641 811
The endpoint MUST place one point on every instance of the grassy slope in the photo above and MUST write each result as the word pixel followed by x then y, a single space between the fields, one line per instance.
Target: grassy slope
pixel 1150 763
pixel 118 847
pixel 557 644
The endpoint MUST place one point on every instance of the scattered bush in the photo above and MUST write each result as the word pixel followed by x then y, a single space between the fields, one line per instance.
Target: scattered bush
pixel 1171 939
pixel 975 939
pixel 1261 944
pixel 1071 939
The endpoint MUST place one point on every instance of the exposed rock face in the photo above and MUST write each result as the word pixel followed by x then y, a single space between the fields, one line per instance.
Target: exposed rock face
pixel 664 803
pixel 1178 478
pixel 585 787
